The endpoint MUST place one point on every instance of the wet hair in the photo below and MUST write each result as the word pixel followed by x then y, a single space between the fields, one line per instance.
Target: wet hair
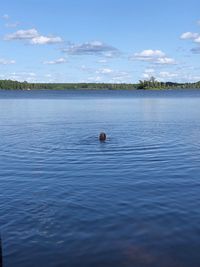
pixel 102 136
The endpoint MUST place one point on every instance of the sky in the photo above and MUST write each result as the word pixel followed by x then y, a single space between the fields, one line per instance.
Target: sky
pixel 115 41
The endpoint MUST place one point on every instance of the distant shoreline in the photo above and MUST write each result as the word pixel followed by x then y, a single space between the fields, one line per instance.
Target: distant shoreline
pixel 151 84
pixel 104 89
pixel 99 89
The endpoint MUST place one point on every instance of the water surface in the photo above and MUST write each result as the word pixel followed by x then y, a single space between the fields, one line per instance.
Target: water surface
pixel 68 200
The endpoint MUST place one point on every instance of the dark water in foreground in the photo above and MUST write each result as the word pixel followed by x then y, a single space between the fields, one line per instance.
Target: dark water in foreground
pixel 68 200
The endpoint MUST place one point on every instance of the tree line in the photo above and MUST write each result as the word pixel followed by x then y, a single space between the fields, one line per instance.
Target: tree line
pixel 10 84
pixel 152 83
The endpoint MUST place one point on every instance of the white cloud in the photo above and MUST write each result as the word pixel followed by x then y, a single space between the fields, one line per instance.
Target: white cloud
pixel 57 61
pixel 22 34
pixel 105 71
pixel 195 37
pixel 166 74
pixel 149 53
pixel 165 60
pixel 32 74
pixel 102 60
pixel 6 61
pixel 197 40
pixel 113 74
pixel 153 56
pixel 48 75
pixel 107 75
pixel 21 76
pixel 95 79
pixel 188 77
pixel 112 54
pixel 160 76
pixel 189 35
pixel 33 36
pixel 45 40
pixel 146 76
pixel 9 24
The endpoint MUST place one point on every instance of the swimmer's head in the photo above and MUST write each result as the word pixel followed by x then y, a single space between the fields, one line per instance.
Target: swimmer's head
pixel 102 137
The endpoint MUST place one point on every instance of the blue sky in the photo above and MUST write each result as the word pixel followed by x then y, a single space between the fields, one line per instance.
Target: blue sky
pixel 99 40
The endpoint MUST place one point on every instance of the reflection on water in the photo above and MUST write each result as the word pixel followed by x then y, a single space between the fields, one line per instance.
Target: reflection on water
pixel 68 200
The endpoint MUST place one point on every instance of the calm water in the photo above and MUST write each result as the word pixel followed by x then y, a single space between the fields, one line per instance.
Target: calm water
pixel 67 200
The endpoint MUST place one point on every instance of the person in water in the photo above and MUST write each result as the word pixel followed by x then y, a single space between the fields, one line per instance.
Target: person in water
pixel 102 137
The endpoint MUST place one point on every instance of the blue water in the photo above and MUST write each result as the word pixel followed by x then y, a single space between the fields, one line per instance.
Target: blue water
pixel 67 200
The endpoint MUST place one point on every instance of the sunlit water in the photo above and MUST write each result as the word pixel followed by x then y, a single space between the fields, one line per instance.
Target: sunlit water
pixel 67 200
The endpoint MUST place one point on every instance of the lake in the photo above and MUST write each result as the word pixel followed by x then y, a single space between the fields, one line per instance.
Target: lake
pixel 68 200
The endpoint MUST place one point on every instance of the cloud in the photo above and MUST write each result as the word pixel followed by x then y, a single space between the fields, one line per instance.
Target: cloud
pixel 6 62
pixel 166 74
pixel 153 56
pixel 165 60
pixel 103 60
pixel 29 77
pixel 112 54
pixel 195 50
pixel 107 74
pixel 48 75
pixel 195 37
pixel 120 78
pixel 57 61
pixel 31 74
pixel 197 40
pixel 92 48
pixel 22 35
pixel 105 71
pixel 189 35
pixel 45 40
pixel 33 36
pixel 20 76
pixel 149 54
pixel 10 24
pixel 111 72
pixel 160 76
pixel 113 76
pixel 146 76
pixel 95 79
pixel 188 77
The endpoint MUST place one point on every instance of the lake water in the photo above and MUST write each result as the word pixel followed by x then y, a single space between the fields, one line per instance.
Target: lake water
pixel 67 200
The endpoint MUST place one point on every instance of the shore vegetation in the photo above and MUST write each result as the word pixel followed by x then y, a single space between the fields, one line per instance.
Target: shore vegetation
pixel 152 83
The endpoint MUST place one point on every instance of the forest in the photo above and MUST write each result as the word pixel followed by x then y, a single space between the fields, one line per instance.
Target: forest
pixel 152 83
